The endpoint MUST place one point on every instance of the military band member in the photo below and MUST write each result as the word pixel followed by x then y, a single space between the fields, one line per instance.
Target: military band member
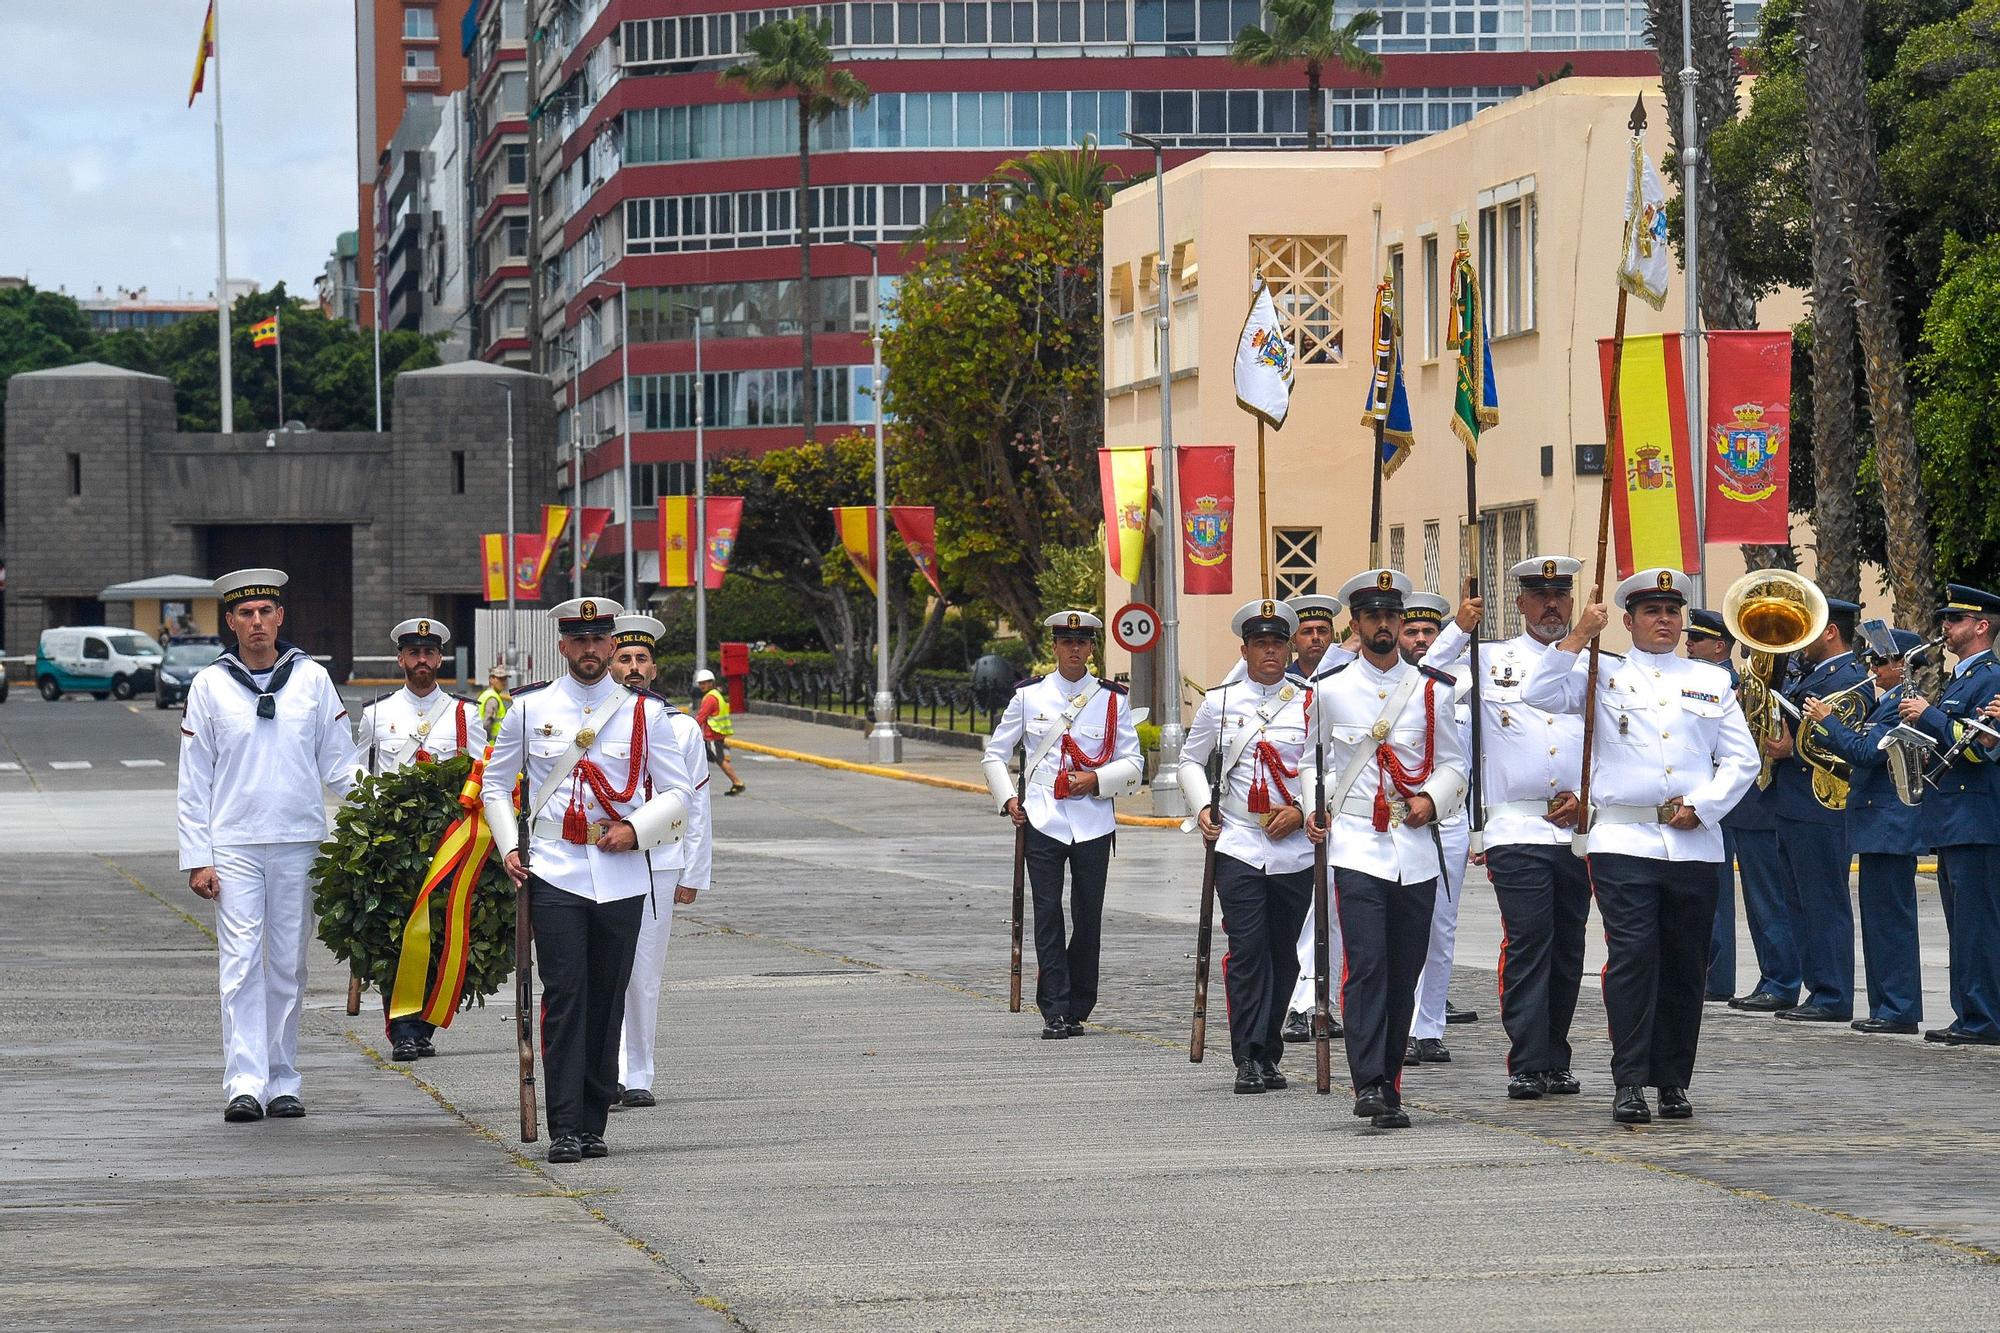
pixel 1533 761
pixel 1966 819
pixel 676 870
pixel 264 736
pixel 418 724
pixel 1888 836
pixel 1396 767
pixel 1314 654
pixel 1813 855
pixel 1263 859
pixel 606 779
pixel 1709 640
pixel 1671 755
pixel 1082 751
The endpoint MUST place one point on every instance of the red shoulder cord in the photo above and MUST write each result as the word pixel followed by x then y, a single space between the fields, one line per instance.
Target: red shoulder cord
pixel 1271 770
pixel 576 824
pixel 463 740
pixel 1073 756
pixel 1388 765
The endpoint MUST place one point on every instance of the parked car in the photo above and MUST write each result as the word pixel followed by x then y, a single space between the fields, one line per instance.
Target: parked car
pixel 104 660
pixel 184 658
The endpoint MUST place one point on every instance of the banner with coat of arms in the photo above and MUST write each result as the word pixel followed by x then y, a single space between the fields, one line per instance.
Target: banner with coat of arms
pixel 723 515
pixel 1264 361
pixel 1748 443
pixel 1206 492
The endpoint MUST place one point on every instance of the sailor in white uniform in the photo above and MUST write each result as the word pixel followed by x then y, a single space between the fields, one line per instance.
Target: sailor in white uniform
pixel 607 780
pixel 1081 749
pixel 634 663
pixel 264 738
pixel 1315 656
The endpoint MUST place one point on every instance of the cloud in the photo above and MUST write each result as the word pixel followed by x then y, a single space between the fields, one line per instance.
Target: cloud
pixel 112 175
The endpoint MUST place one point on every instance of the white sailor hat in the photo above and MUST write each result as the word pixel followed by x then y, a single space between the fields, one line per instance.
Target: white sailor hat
pixel 1653 585
pixel 1264 616
pixel 1073 624
pixel 640 629
pixel 249 585
pixel 585 615
pixel 1547 573
pixel 1376 590
pixel 1427 607
pixel 1316 606
pixel 422 632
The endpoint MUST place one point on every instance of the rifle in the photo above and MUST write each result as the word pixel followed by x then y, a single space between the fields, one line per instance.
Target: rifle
pixel 1020 876
pixel 353 994
pixel 1198 1039
pixel 1322 947
pixel 524 964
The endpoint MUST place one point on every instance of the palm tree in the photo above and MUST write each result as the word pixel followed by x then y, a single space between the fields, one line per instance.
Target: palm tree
pixel 1303 30
pixel 1080 173
pixel 789 56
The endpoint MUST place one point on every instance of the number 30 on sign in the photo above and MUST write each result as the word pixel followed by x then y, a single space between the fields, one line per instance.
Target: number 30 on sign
pixel 1136 627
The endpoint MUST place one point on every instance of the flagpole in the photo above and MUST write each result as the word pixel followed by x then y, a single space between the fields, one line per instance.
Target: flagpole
pixel 221 235
pixel 278 333
pixel 1375 500
pixel 1263 519
pixel 1475 565
pixel 1691 341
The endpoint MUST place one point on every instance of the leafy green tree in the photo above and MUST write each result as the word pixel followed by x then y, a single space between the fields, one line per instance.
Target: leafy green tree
pixel 790 56
pixel 1303 32
pixel 1958 411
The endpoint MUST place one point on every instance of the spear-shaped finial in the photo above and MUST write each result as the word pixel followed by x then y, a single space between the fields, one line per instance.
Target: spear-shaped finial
pixel 1638 121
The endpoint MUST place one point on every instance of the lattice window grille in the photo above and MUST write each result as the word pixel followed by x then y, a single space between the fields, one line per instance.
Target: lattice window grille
pixel 1433 538
pixel 1295 565
pixel 1396 548
pixel 1305 275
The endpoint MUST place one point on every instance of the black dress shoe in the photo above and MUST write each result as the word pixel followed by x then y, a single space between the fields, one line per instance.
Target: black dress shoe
pixel 1561 1083
pixel 1525 1087
pixel 287 1107
pixel 1631 1108
pixel 1273 1080
pixel 1055 1029
pixel 638 1097
pixel 1811 1013
pixel 1674 1104
pixel 1760 1002
pixel 405 1052
pixel 1410 1052
pixel 1394 1118
pixel 1958 1036
pixel 1884 1025
pixel 566 1148
pixel 242 1110
pixel 1454 1014
pixel 1298 1026
pixel 593 1145
pixel 1431 1051
pixel 1371 1101
pixel 425 1049
pixel 1334 1029
pixel 1716 997
pixel 1249 1078
pixel 1073 1026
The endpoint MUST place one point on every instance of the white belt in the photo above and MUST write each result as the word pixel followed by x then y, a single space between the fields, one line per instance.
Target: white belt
pixel 1232 806
pixel 552 829
pixel 1626 814
pixel 1532 809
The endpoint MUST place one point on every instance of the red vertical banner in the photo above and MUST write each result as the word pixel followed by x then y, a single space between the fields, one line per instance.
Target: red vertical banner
pixel 1207 497
pixel 593 525
pixel 678 545
pixel 1747 446
pixel 917 525
pixel 725 516
pixel 528 565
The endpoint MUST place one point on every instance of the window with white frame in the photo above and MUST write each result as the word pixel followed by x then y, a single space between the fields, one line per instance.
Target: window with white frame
pixel 1433 535
pixel 1396 547
pixel 1295 561
pixel 1430 261
pixel 1507 257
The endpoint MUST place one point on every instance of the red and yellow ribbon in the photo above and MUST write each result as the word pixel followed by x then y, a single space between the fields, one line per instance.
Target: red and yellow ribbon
pixel 459 858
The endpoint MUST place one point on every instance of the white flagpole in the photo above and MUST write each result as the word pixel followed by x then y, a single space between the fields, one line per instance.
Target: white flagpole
pixel 221 241
pixel 1691 154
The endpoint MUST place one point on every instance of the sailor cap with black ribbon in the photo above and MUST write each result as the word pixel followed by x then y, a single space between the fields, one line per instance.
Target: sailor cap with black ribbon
pixel 250 585
pixel 1425 607
pixel 1266 615
pixel 1377 590
pixel 585 615
pixel 1653 585
pixel 1316 606
pixel 1073 624
pixel 1547 573
pixel 422 632
pixel 645 631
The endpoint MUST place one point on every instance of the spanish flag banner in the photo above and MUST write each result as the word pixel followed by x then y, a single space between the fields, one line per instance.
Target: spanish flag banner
pixel 264 333
pixel 493 565
pixel 1650 471
pixel 855 525
pixel 201 56
pixel 1126 478
pixel 528 565
pixel 678 548
pixel 554 519
pixel 917 526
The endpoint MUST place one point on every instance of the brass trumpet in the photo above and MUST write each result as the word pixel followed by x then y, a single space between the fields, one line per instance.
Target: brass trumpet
pixel 1772 613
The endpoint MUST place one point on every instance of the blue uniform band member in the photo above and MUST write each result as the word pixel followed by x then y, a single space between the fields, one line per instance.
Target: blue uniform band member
pixel 1671 755
pixel 264 738
pixel 1709 640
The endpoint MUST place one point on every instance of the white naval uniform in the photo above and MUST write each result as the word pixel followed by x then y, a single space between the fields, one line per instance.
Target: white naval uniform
pixel 1348 703
pixel 392 729
pixel 1224 712
pixel 1036 709
pixel 1335 656
pixel 251 806
pixel 670 869
pixel 1302 1000
pixel 1455 835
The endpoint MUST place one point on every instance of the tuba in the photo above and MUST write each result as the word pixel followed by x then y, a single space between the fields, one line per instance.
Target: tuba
pixel 1772 613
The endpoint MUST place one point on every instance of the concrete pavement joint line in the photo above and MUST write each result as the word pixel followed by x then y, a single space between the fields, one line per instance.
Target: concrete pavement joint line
pixel 154 894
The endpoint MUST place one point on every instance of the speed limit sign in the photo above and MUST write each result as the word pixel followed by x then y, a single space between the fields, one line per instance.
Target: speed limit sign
pixel 1136 627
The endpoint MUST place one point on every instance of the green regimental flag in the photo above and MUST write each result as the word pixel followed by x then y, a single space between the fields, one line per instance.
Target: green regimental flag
pixel 1476 404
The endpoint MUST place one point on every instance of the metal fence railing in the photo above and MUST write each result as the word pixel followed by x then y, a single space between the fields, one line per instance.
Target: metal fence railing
pixel 926 700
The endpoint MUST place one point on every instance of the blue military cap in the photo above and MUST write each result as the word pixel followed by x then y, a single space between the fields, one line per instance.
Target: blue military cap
pixel 1906 639
pixel 1706 624
pixel 1843 612
pixel 1959 599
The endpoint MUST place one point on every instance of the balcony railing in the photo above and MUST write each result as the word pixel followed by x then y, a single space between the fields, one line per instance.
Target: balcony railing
pixel 420 75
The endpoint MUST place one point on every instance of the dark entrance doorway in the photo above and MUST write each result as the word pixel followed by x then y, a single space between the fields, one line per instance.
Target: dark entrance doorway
pixel 319 600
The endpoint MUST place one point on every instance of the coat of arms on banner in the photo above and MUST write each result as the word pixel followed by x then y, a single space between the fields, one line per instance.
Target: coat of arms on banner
pixel 1649 470
pixel 721 546
pixel 1206 524
pixel 1750 449
pixel 1272 351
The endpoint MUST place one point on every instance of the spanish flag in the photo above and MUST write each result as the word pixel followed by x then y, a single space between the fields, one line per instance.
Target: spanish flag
pixel 493 561
pixel 1125 478
pixel 1651 472
pixel 201 56
pixel 554 519
pixel 264 333
pixel 856 526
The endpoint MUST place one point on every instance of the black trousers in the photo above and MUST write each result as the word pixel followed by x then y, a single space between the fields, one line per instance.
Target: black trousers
pixel 1657 916
pixel 583 952
pixel 1544 897
pixel 1261 915
pixel 407 1028
pixel 1066 972
pixel 1385 932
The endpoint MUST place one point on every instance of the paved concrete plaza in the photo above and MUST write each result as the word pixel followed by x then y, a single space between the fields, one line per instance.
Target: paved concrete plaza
pixel 854 1133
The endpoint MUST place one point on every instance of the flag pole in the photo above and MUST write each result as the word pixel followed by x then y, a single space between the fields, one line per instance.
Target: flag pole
pixel 278 332
pixel 1475 563
pixel 1263 520
pixel 221 234
pixel 1375 501
pixel 1691 342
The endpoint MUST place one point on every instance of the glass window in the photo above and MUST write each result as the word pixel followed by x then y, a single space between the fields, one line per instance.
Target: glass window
pixel 1027 121
pixel 930 24
pixel 1180 20
pixel 1177 113
pixel 1149 20
pixel 1069 15
pixel 954 24
pixel 1211 114
pixel 1214 19
pixel 419 24
pixel 1055 119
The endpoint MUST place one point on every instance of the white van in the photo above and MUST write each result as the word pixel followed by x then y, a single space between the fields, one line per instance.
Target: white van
pixel 105 660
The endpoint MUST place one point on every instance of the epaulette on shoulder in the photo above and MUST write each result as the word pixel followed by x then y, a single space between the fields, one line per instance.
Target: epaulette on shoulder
pixel 529 689
pixel 1113 686
pixel 1336 669
pixel 1444 677
pixel 1025 681
pixel 658 698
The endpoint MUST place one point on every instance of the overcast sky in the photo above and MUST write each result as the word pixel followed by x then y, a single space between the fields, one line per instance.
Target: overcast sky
pixel 110 175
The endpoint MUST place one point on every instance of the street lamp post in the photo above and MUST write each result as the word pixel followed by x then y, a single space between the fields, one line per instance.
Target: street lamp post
pixel 700 508
pixel 625 378
pixel 885 742
pixel 1167 799
pixel 512 566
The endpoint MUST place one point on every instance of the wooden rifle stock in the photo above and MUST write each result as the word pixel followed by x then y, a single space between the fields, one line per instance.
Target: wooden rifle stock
pixel 1020 879
pixel 524 964
pixel 353 994
pixel 1322 947
pixel 1205 932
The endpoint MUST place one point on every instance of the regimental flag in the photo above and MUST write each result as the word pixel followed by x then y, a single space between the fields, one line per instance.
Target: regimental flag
pixel 917 525
pixel 1644 261
pixel 1125 476
pixel 201 56
pixel 1748 443
pixel 528 564
pixel 856 527
pixel 1264 361
pixel 1388 402
pixel 678 549
pixel 264 333
pixel 554 519
pixel 1207 495
pixel 1476 401
pixel 1650 471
